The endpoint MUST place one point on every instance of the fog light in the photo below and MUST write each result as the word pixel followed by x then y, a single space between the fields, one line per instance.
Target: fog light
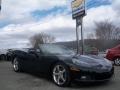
pixel 74 69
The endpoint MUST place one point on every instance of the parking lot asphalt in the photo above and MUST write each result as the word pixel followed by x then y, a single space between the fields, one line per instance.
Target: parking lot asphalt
pixel 10 80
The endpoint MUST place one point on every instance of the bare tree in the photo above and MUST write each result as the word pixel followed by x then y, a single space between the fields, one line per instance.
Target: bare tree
pixel 107 30
pixel 91 36
pixel 41 38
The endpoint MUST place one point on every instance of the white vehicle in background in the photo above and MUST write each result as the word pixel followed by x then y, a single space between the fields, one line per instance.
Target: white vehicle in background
pixel 3 54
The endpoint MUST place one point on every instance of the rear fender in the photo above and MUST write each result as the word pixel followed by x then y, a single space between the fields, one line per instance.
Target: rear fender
pixel 20 55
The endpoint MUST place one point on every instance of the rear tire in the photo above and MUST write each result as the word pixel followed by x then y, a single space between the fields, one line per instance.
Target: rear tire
pixel 61 75
pixel 16 65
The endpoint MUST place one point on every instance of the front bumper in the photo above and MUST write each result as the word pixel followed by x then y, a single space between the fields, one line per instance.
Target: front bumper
pixel 89 76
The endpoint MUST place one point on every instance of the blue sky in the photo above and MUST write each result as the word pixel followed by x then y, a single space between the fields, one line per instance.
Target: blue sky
pixel 97 3
pixel 38 14
pixel 20 20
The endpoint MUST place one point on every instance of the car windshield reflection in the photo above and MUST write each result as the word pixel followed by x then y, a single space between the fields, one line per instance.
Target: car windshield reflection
pixel 56 49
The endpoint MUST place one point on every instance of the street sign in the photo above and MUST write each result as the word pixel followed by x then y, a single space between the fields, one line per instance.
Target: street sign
pixel 78 8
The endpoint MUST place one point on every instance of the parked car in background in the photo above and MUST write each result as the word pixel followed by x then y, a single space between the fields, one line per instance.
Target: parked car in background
pixel 102 54
pixel 90 50
pixel 62 64
pixel 113 55
pixel 3 54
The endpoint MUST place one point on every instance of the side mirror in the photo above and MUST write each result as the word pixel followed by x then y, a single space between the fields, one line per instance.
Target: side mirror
pixel 31 51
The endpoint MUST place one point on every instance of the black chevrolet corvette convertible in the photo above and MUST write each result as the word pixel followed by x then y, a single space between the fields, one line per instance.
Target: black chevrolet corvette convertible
pixel 62 64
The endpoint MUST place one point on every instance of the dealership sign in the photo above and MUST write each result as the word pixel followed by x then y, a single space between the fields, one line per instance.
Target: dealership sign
pixel 78 8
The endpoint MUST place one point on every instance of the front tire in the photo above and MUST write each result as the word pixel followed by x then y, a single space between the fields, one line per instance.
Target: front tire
pixel 16 65
pixel 117 61
pixel 61 75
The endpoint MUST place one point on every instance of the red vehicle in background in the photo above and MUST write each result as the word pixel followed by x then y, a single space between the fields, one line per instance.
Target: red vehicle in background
pixel 113 54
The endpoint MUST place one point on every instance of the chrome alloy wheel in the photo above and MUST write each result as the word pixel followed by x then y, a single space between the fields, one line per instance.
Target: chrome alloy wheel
pixel 117 61
pixel 15 64
pixel 59 74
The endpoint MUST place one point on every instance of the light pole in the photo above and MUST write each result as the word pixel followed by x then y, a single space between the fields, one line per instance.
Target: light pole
pixel 79 23
pixel 77 36
pixel 82 38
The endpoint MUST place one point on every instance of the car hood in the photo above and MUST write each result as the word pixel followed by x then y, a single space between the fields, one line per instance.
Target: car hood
pixel 88 62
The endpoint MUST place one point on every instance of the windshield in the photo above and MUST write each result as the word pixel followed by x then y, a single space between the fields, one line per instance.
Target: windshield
pixel 55 49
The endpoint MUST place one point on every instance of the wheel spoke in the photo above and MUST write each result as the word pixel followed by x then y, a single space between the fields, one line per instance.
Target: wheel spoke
pixel 63 71
pixel 58 80
pixel 58 68
pixel 62 78
pixel 55 73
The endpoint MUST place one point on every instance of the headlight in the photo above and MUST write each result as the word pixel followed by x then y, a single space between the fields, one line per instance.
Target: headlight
pixel 72 68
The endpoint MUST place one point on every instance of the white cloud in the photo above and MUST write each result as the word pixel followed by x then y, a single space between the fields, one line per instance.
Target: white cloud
pixel 18 6
pixel 62 27
pixel 20 9
pixel 58 26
